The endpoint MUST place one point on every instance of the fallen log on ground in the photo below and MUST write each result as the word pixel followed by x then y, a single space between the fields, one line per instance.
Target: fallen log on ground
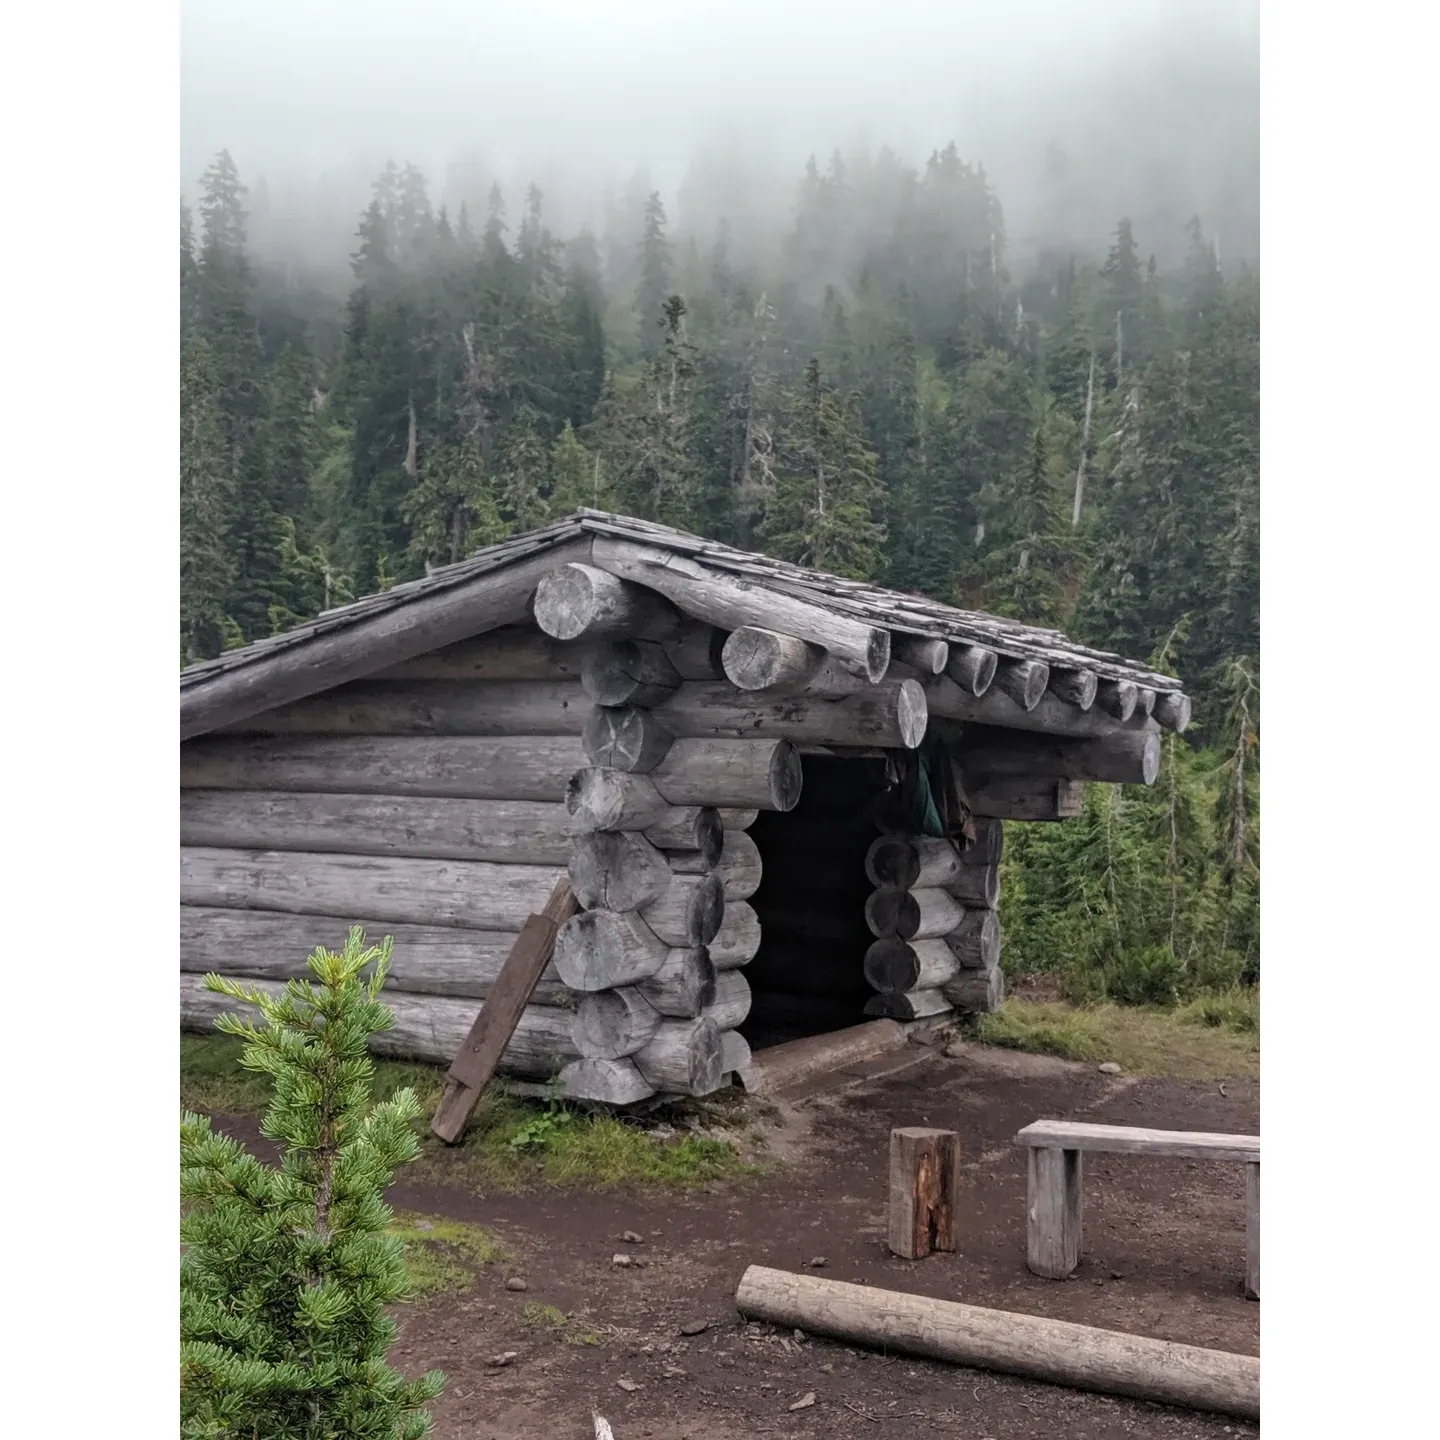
pixel 1031 1345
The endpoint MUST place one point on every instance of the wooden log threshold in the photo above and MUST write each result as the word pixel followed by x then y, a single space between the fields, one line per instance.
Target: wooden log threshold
pixel 778 1067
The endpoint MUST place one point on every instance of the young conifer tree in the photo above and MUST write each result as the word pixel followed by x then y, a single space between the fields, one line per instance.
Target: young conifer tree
pixel 287 1271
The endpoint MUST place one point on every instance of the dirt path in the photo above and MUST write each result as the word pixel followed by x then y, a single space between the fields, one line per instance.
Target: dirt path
pixel 1165 1254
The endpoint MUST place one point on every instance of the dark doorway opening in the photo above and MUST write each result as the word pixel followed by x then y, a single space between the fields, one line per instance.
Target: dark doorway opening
pixel 808 976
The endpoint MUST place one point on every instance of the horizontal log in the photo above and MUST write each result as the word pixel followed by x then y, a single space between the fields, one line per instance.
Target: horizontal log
pixel 695 651
pixel 976 991
pixel 914 1005
pixel 977 887
pixel 684 985
pixel 738 865
pixel 1024 681
pixel 975 941
pixel 688 912
pixel 989 844
pixel 431 707
pixel 626 738
pixel 427 1028
pixel 891 715
pixel 697 828
pixel 764 774
pixel 734 1051
pixel 600 949
pixel 465 767
pixel 603 799
pixel 1172 710
pixel 525 832
pixel 474 894
pixel 578 600
pixel 1118 698
pixel 733 818
pixel 628 672
pixel 756 659
pixel 1075 687
pixel 1030 1345
pixel 732 1000
pixel 611 1082
pixel 684 1057
pixel 928 656
pixel 972 669
pixel 912 914
pixel 915 862
pixel 738 938
pixel 610 1024
pixel 346 646
pixel 779 1067
pixel 1027 799
pixel 1131 757
pixel 947 700
pixel 892 964
pixel 617 870
pixel 427 959
pixel 516 652
pixel 729 602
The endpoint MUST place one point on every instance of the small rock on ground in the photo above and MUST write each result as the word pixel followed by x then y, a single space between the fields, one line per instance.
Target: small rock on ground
pixel 631 1238
pixel 818 1262
pixel 504 1358
pixel 694 1327
pixel 516 1283
pixel 805 1401
pixel 627 1385
pixel 1110 1068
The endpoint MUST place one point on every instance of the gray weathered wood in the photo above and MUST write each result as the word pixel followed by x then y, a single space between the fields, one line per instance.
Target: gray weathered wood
pixel 472 893
pixel 684 1057
pixel 977 887
pixel 738 864
pixel 1007 799
pixel 1118 698
pixel 989 843
pixel 428 1028
pixel 972 668
pixel 738 938
pixel 689 911
pixel 917 861
pixel 431 707
pixel 734 1051
pixel 578 600
pixel 466 767
pixel 912 914
pixel 613 1082
pixel 977 992
pixel 1131 757
pixel 778 1067
pixel 1050 715
pixel 908 1005
pixel 1172 710
pixel 756 659
pixel 526 832
pixel 427 959
pixel 731 1003
pixel 603 799
pixel 1053 1211
pixel 975 941
pixel 347 649
pixel 732 818
pixel 1139 1140
pixel 891 715
pixel 628 672
pixel 517 652
pixel 1024 681
pixel 626 738
pixel 610 1024
pixel 1034 1346
pixel 695 828
pixel 1075 687
pixel 1252 1230
pixel 928 656
pixel 924 1191
pixel 764 774
pixel 729 603
pixel 695 651
pixel 684 985
pixel 617 870
pixel 601 949
pixel 1145 702
pixel 893 965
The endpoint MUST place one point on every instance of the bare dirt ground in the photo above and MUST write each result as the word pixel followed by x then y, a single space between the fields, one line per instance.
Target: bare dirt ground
pixel 1164 1257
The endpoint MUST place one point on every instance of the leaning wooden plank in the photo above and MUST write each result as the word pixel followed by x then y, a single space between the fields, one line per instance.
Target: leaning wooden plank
pixel 428 1028
pixel 427 959
pixel 521 832
pixel 464 766
pixel 330 653
pixel 472 893
pixel 1137 1140
pixel 780 1066
pixel 474 1065
pixel 728 602
pixel 1030 1345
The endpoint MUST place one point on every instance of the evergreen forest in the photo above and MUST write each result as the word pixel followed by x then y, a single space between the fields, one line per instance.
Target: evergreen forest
pixel 1073 442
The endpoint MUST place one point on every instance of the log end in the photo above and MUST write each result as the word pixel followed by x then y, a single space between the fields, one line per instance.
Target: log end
pixel 565 601
pixel 1150 759
pixel 785 775
pixel 1172 710
pixel 912 713
pixel 877 656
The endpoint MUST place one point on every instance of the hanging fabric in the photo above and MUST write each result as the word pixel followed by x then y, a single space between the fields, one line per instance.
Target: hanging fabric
pixel 923 795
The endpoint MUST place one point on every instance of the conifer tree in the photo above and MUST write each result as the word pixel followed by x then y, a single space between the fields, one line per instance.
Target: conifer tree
pixel 524 478
pixel 286 1271
pixel 1122 291
pixel 653 291
pixel 573 481
pixel 206 572
pixel 452 511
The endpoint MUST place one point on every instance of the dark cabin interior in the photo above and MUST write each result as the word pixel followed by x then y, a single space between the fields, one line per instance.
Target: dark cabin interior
pixel 808 976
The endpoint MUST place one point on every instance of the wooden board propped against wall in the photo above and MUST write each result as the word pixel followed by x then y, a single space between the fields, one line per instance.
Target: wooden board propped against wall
pixel 474 1067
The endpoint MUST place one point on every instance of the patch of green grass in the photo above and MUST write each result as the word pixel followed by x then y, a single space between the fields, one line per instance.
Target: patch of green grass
pixel 1207 1040
pixel 443 1256
pixel 511 1145
pixel 544 1317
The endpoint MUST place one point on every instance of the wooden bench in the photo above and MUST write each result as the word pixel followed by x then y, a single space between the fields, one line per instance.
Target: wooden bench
pixel 1053 1206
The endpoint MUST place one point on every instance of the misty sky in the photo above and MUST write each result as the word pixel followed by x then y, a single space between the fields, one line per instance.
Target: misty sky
pixel 1142 93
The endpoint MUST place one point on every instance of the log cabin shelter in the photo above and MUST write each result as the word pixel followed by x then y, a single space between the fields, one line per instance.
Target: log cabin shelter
pixel 778 795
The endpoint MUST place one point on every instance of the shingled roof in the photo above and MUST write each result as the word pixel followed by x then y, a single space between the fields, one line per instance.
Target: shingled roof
pixel 425 614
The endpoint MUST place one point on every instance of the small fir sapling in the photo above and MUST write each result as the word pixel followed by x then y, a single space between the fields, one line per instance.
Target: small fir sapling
pixel 286 1272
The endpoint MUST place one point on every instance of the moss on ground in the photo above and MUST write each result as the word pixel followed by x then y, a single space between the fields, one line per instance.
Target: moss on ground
pixel 443 1256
